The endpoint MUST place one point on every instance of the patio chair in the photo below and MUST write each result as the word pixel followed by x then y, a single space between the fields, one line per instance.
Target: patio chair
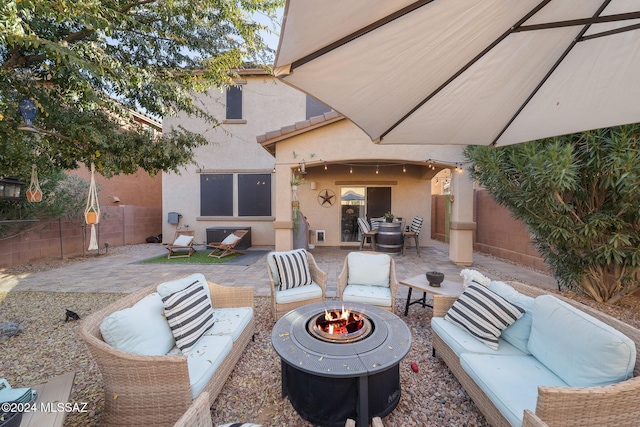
pixel 295 279
pixel 369 278
pixel 367 233
pixel 182 246
pixel 226 247
pixel 413 233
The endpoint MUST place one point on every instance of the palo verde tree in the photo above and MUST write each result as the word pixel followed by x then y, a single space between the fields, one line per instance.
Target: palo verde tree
pixel 86 64
pixel 579 196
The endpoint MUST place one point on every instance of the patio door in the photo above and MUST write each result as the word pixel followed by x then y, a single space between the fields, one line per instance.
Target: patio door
pixel 361 202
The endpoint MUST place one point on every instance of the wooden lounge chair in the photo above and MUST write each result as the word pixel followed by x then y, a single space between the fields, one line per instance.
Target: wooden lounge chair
pixel 226 247
pixel 182 246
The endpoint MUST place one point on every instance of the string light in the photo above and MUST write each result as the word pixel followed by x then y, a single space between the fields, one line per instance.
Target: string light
pixel 377 170
pixel 325 165
pixel 350 169
pixel 404 169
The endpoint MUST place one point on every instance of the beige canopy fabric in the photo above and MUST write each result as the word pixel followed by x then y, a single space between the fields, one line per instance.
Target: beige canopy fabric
pixel 491 72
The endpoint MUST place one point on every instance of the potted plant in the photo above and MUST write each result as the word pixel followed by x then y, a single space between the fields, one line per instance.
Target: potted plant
pixel 296 182
pixel 388 217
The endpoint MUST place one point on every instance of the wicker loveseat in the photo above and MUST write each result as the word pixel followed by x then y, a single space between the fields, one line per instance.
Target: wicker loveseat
pixel 144 390
pixel 616 404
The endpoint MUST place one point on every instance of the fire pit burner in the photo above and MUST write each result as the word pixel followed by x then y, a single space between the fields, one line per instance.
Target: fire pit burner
pixel 329 381
pixel 340 326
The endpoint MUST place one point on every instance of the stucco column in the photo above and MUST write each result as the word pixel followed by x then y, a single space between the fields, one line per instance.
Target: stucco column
pixel 283 225
pixel 461 222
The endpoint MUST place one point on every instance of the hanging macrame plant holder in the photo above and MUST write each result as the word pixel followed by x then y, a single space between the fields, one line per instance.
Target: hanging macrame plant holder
pixel 34 193
pixel 92 211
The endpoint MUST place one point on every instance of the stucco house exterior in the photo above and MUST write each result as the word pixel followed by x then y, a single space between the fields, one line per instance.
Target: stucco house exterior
pixel 271 134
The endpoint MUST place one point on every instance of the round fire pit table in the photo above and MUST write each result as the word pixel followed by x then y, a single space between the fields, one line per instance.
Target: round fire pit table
pixel 329 382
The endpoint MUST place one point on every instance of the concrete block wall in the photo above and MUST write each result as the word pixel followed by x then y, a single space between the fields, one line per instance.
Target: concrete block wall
pixel 498 233
pixel 119 225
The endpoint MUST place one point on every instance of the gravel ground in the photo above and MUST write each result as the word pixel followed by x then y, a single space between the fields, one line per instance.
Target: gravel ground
pixel 47 346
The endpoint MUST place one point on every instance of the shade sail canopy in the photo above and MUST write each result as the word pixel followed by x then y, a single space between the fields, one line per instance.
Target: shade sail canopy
pixel 491 72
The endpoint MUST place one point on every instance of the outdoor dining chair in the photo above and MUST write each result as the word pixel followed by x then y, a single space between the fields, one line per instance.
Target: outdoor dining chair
pixel 413 233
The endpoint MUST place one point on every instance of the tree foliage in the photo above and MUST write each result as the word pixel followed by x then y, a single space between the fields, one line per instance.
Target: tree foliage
pixel 579 196
pixel 87 63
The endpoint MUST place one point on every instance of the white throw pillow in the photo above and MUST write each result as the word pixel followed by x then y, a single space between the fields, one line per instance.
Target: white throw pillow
pixel 230 239
pixel 141 329
pixel 183 241
pixel 189 315
pixel 368 269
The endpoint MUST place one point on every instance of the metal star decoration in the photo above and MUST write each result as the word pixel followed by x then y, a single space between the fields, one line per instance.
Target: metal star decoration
pixel 326 197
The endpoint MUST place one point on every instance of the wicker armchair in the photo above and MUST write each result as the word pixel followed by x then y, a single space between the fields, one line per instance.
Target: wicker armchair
pixel 318 276
pixel 343 281
pixel 155 390
pixel 614 405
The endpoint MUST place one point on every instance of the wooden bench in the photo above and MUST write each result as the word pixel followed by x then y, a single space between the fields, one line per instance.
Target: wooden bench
pixel 50 394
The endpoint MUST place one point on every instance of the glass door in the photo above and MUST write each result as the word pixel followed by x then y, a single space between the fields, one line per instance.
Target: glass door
pixel 352 207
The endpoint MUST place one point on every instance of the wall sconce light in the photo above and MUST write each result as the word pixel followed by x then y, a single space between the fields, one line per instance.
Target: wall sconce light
pixel 303 167
pixel 312 185
pixel 10 188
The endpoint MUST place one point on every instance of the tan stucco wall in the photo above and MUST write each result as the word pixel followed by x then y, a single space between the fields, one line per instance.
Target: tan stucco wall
pixel 338 145
pixel 267 105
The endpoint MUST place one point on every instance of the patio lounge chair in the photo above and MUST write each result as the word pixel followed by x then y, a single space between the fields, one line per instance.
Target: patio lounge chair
pixel 226 247
pixel 182 246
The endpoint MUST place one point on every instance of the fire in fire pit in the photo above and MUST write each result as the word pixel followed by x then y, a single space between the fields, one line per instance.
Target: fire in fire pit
pixel 341 326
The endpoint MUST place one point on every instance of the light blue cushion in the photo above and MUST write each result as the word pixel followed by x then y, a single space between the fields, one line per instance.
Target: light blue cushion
pixel 518 333
pixel 374 295
pixel 510 382
pixel 204 358
pixel 299 293
pixel 172 286
pixel 461 341
pixel 368 269
pixel 230 321
pixel 141 329
pixel 579 348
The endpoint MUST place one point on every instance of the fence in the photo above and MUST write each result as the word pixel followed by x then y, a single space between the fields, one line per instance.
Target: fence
pixel 497 232
pixel 119 225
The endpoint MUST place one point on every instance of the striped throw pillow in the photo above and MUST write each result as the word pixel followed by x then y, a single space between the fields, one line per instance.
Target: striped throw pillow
pixel 189 315
pixel 293 269
pixel 483 313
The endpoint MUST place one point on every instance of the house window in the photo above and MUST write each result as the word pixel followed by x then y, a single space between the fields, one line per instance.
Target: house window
pixel 315 108
pixel 234 103
pixel 216 194
pixel 254 194
pixel 252 191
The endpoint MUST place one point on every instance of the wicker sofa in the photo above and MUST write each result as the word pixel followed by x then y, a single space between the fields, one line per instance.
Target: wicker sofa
pixel 616 404
pixel 144 390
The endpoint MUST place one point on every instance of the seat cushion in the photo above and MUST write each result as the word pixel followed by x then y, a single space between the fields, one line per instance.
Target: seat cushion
pixel 368 269
pixel 204 358
pixel 495 375
pixel 300 293
pixel 141 329
pixel 483 313
pixel 230 321
pixel 374 295
pixel 292 268
pixel 518 333
pixel 189 315
pixel 461 341
pixel 579 348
